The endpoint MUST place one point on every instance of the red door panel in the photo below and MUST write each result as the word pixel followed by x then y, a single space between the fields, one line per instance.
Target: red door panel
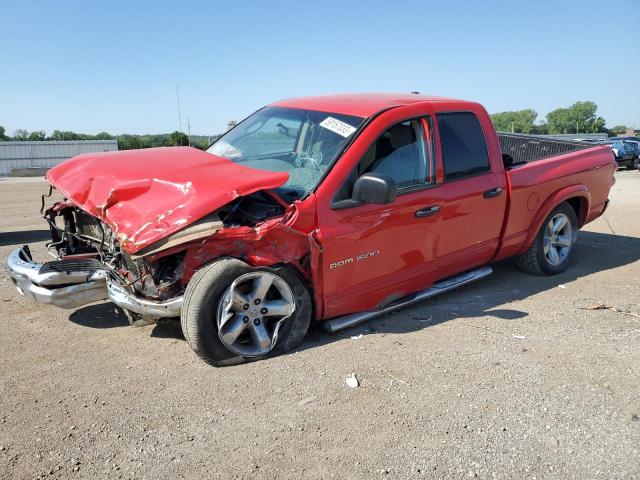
pixel 474 206
pixel 373 254
pixel 471 223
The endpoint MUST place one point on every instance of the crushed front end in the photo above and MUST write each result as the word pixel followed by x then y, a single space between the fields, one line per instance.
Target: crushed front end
pixel 90 266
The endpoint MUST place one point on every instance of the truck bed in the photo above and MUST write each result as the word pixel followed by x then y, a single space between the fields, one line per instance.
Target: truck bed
pixel 534 184
pixel 530 148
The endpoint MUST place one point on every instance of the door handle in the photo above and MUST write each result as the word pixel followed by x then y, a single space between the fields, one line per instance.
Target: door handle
pixel 494 192
pixel 428 211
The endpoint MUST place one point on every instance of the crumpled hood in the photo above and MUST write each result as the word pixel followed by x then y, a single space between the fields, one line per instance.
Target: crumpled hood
pixel 146 195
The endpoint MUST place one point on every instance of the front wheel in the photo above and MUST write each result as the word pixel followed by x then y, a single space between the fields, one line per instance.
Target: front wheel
pixel 233 312
pixel 551 250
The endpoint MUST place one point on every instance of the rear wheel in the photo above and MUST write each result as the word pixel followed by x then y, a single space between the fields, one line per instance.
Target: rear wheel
pixel 233 312
pixel 550 252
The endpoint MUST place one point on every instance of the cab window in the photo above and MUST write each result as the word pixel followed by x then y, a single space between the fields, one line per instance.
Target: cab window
pixel 404 152
pixel 464 148
pixel 401 153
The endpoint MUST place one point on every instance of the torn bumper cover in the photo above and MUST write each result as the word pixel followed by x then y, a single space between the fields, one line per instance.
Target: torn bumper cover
pixel 73 283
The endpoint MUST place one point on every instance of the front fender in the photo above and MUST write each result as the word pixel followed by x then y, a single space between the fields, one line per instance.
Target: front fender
pixel 572 191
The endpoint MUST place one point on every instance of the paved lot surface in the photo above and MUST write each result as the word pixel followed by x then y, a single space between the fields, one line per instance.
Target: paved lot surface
pixel 507 378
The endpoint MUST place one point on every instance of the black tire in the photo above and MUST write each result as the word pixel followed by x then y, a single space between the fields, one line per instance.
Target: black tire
pixel 198 317
pixel 534 260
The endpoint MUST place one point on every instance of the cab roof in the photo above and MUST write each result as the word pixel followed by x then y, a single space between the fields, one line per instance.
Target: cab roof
pixel 358 104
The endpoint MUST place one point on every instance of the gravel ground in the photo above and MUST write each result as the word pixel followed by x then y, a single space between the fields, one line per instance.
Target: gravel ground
pixel 507 378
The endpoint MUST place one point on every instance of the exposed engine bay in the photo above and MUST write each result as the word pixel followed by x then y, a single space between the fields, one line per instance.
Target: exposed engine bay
pixel 76 235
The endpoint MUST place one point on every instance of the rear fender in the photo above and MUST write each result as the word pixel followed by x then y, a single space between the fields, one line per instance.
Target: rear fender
pixel 580 192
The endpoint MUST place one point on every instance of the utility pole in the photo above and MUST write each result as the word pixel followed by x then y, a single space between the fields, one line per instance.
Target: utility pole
pixel 189 129
pixel 179 115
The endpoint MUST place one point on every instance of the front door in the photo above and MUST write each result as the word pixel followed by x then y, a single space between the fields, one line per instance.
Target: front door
pixel 374 254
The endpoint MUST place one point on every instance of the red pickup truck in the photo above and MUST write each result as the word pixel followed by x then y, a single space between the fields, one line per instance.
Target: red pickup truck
pixel 334 209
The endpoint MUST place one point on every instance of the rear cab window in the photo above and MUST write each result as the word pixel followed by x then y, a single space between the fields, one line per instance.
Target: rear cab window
pixel 463 145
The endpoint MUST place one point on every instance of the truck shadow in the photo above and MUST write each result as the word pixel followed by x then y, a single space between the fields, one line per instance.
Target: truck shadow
pixel 23 237
pixel 595 252
pixel 99 315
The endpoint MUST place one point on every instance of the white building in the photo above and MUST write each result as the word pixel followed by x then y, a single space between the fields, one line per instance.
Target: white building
pixel 35 158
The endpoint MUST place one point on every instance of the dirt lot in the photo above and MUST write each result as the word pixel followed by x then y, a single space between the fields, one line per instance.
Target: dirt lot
pixel 506 378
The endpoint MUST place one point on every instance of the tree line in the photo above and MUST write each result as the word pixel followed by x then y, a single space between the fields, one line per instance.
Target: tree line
pixel 581 117
pixel 125 141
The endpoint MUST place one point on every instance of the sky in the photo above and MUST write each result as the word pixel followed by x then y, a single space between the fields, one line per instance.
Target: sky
pixel 92 66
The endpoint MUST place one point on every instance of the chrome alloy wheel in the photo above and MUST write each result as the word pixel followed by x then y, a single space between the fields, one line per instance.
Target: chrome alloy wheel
pixel 251 311
pixel 558 239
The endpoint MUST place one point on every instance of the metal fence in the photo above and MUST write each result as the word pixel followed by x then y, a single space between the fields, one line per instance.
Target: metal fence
pixel 576 136
pixel 15 155
pixel 529 148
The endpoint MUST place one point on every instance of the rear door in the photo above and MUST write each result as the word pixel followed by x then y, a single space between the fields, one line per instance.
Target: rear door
pixel 473 192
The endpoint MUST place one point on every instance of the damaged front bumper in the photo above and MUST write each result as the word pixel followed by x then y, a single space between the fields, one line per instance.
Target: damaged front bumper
pixel 59 283
pixel 148 308
pixel 74 283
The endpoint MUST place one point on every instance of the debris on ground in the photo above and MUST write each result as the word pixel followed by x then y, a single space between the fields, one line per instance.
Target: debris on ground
pixel 352 381
pixel 562 286
pixel 604 306
pixel 307 400
pixel 356 337
pixel 393 377
pixel 520 337
pixel 598 306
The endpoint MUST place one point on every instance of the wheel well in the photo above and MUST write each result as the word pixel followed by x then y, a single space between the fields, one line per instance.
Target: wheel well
pixel 579 205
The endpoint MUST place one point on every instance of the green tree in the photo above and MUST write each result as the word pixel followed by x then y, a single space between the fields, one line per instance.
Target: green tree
pixel 130 142
pixel 578 118
pixel 3 136
pixel 104 136
pixel 63 135
pixel 178 139
pixel 519 121
pixel 163 140
pixel 200 143
pixel 542 129
pixel 37 135
pixel 20 135
pixel 69 135
pixel 618 130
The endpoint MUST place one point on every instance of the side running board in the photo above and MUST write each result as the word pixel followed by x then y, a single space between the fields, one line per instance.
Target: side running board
pixel 346 321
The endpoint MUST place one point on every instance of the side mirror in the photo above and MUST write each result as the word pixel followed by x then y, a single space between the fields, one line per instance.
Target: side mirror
pixel 374 188
pixel 507 160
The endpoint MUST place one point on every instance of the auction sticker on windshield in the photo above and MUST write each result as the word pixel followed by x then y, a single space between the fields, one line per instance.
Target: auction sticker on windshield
pixel 336 126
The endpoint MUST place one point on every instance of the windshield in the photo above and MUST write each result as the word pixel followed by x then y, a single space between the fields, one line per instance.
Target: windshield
pixel 303 143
